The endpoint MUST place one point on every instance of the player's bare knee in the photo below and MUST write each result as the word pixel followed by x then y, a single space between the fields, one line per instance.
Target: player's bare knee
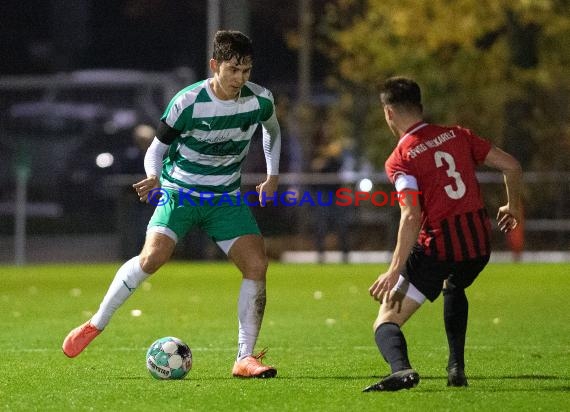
pixel 256 269
pixel 151 262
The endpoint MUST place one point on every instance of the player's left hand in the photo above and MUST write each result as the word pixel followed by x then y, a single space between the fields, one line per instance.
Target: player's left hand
pixel 383 285
pixel 267 190
pixel 507 218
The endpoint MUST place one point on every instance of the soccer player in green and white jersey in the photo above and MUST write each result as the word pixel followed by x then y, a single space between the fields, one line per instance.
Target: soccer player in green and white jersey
pixel 205 132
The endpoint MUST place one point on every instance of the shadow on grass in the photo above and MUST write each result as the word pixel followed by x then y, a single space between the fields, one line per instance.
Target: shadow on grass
pixel 505 388
pixel 515 377
pixel 475 386
pixel 293 377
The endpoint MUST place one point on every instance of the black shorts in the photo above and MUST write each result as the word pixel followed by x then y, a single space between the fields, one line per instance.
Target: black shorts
pixel 427 273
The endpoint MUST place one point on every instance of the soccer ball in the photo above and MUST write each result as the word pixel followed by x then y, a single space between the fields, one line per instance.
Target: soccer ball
pixel 169 358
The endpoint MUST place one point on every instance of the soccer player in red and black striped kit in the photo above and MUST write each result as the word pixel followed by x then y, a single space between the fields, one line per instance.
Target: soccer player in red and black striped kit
pixel 443 240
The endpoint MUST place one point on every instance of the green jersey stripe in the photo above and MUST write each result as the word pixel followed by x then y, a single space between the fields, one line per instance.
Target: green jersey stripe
pixel 202 169
pixel 240 121
pixel 203 97
pixel 230 147
pixel 209 160
pixel 217 189
pixel 176 172
pixel 220 135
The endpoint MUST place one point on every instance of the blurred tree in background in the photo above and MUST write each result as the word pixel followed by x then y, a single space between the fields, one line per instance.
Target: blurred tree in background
pixel 499 67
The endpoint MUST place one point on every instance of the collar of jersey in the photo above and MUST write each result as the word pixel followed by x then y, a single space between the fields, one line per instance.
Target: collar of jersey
pixel 414 128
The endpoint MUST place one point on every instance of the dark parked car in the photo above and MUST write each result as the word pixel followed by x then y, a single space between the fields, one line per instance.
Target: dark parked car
pixel 72 132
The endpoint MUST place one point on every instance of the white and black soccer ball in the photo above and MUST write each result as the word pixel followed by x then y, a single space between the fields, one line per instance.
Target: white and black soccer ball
pixel 169 358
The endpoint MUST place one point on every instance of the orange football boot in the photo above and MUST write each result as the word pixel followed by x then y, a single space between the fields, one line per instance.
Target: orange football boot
pixel 79 338
pixel 251 367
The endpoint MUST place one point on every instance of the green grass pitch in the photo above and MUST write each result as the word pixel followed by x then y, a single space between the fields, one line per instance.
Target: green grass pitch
pixel 317 327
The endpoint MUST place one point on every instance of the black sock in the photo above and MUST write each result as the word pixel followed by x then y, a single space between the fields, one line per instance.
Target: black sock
pixel 455 312
pixel 392 345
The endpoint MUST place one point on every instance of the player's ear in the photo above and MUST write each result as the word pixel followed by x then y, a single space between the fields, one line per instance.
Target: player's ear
pixel 214 65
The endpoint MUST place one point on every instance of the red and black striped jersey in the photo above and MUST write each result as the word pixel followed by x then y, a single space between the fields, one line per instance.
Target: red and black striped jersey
pixel 442 162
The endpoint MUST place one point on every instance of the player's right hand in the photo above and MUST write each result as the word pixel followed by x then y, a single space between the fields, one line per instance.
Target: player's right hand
pixel 145 186
pixel 383 285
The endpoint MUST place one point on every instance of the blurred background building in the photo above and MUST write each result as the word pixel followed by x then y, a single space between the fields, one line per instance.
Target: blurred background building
pixel 82 82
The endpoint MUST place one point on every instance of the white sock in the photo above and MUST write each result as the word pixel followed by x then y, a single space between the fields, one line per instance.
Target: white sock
pixel 251 306
pixel 128 278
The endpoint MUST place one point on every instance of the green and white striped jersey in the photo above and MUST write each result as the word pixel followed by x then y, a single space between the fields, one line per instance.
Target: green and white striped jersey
pixel 215 137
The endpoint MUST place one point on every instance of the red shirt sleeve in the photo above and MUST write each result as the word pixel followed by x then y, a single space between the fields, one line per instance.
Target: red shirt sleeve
pixel 397 164
pixel 479 147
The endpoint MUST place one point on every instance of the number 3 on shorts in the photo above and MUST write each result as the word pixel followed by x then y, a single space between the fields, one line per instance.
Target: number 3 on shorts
pixel 459 192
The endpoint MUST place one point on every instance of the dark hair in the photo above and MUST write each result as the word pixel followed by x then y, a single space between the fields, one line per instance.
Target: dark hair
pixel 403 92
pixel 229 44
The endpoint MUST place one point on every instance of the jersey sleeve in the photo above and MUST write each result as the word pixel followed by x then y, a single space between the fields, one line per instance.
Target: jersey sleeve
pixel 153 157
pixel 266 105
pixel 178 113
pixel 400 172
pixel 479 147
pixel 272 144
pixel 172 113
